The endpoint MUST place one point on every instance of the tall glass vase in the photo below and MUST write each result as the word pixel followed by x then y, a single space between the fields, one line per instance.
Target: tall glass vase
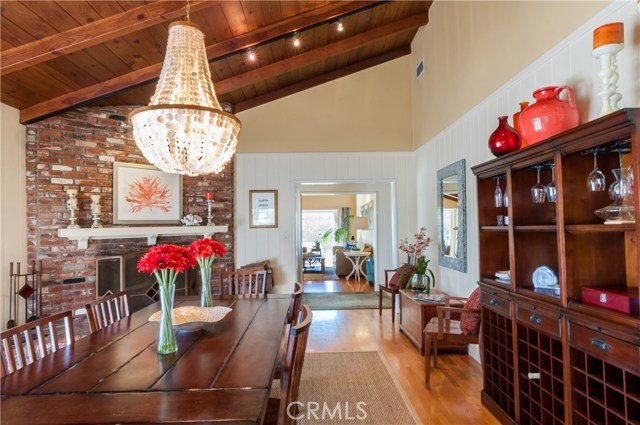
pixel 166 339
pixel 205 274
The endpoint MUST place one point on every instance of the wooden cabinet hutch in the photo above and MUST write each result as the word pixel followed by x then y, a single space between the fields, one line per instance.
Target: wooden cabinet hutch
pixel 548 358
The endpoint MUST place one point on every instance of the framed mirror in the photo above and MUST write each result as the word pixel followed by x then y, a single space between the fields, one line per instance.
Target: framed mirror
pixel 452 216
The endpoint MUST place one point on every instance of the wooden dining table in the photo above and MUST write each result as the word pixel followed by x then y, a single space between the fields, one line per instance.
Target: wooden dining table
pixel 221 374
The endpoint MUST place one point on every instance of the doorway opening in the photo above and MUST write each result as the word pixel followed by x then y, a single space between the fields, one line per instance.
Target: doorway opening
pixel 337 239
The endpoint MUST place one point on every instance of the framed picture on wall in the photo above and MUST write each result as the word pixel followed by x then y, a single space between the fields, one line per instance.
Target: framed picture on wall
pixel 367 211
pixel 263 208
pixel 142 194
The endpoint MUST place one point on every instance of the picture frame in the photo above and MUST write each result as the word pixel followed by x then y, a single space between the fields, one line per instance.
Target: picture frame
pixel 263 208
pixel 143 194
pixel 366 210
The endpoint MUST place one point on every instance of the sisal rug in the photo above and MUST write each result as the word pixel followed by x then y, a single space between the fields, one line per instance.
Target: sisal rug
pixel 356 388
pixel 344 300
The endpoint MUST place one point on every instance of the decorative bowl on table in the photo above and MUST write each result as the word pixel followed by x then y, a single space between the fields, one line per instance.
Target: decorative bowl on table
pixel 193 318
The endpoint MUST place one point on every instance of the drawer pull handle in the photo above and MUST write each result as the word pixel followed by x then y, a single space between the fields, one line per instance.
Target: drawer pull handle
pixel 600 344
pixel 535 319
pixel 494 303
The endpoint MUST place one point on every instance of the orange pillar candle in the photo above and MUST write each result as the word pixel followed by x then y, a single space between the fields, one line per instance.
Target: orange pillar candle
pixel 612 33
pixel 208 196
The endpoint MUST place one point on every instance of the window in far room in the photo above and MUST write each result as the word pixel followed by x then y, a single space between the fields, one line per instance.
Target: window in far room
pixel 315 223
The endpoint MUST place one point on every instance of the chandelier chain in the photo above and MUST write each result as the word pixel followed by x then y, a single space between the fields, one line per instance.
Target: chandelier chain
pixel 188 11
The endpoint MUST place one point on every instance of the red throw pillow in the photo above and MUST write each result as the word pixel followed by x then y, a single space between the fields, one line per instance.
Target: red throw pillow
pixel 402 276
pixel 470 322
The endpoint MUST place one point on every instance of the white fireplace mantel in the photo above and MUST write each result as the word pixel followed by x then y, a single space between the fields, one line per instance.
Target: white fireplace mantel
pixel 151 233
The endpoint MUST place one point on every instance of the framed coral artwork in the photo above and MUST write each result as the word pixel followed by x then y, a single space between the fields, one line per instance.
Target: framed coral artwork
pixel 142 194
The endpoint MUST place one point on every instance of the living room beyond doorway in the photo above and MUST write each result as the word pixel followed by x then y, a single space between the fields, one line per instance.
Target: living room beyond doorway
pixel 337 240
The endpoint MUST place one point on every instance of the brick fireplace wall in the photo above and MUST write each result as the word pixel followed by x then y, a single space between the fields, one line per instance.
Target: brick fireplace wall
pixel 77 150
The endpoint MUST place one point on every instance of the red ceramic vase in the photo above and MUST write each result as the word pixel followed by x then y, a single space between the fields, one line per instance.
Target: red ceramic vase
pixel 549 115
pixel 504 139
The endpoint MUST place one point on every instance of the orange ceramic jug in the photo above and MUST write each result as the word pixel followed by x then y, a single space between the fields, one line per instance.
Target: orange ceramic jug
pixel 549 115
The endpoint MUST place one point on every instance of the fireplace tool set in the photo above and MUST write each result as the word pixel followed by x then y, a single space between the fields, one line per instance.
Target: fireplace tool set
pixel 26 286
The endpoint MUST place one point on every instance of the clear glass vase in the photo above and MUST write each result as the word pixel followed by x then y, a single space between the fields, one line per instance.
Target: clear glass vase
pixel 205 274
pixel 166 339
pixel 421 283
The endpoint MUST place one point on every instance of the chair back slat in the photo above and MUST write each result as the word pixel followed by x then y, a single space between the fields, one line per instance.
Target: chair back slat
pixel 107 310
pixel 244 282
pixel 18 348
pixel 294 306
pixel 292 363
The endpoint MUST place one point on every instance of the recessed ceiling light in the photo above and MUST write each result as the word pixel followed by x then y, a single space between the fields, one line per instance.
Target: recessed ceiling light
pixel 296 40
pixel 340 27
pixel 251 55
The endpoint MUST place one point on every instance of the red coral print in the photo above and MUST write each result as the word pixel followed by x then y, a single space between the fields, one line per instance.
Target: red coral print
pixel 148 193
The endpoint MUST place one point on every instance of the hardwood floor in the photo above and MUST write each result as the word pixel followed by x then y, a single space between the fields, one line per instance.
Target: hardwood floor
pixel 338 285
pixel 454 397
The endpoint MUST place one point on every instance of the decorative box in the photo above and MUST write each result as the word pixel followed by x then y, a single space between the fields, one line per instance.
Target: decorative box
pixel 622 299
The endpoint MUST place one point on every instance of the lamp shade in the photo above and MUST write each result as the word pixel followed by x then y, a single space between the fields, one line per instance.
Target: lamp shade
pixel 361 223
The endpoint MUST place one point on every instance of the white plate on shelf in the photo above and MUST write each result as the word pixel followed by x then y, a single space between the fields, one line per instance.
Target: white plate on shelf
pixel 544 277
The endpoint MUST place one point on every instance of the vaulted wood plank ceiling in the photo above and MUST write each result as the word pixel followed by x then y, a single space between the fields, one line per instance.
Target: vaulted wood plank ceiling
pixel 59 55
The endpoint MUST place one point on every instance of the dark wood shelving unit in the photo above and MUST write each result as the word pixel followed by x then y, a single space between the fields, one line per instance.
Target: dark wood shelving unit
pixel 549 358
pixel 537 228
pixel 494 228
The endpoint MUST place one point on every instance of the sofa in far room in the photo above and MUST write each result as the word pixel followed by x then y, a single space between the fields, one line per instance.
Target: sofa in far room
pixel 341 263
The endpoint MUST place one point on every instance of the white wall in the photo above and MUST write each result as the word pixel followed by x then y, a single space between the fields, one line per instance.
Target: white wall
pixel 284 171
pixel 13 201
pixel 369 111
pixel 568 63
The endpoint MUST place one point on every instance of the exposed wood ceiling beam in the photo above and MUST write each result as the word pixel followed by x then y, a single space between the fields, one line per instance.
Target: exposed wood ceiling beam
pixel 321 79
pixel 97 32
pixel 151 73
pixel 321 53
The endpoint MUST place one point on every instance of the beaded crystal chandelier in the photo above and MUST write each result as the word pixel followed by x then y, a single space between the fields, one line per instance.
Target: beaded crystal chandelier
pixel 183 130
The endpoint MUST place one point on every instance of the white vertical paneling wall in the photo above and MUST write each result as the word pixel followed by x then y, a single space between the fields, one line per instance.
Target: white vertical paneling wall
pixel 568 63
pixel 13 203
pixel 283 171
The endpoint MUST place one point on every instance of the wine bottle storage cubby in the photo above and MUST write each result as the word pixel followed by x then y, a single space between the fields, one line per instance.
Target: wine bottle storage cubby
pixel 540 376
pixel 498 360
pixel 603 393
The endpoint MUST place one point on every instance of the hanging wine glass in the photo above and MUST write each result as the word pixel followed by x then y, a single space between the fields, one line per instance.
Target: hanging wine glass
pixel 497 195
pixel 505 198
pixel 596 181
pixel 538 191
pixel 551 187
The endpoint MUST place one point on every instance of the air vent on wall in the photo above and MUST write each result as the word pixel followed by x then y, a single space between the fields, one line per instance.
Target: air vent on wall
pixel 420 69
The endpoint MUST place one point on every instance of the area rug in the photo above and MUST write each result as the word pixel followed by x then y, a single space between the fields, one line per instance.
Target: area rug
pixel 356 388
pixel 344 300
pixel 329 274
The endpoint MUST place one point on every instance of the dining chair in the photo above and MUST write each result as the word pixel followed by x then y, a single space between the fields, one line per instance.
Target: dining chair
pixel 244 282
pixel 34 340
pixel 107 310
pixel 277 409
pixel 442 330
pixel 293 315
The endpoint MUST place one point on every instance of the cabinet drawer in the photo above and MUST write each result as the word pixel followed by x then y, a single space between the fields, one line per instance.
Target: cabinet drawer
pixel 539 318
pixel 605 347
pixel 492 300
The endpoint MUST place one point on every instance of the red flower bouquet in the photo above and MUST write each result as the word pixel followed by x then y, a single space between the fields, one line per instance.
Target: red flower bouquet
pixel 205 250
pixel 166 262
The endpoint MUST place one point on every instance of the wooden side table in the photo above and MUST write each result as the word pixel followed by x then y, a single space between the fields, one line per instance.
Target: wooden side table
pixel 414 316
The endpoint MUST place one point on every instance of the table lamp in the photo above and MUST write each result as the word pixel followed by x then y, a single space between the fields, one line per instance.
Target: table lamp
pixel 360 223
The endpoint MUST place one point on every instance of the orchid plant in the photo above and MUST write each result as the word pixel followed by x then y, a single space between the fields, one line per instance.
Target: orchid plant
pixel 417 248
